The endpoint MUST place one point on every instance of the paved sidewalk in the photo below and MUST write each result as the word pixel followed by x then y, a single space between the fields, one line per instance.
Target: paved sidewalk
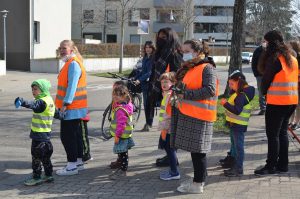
pixel 142 181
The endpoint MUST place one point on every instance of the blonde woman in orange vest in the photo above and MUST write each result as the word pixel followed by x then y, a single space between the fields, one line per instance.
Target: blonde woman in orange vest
pixel 280 85
pixel 71 100
pixel 192 120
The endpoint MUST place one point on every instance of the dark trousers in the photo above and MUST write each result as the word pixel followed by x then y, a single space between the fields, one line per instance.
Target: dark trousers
pixel 149 117
pixel 237 147
pixel 71 138
pixel 277 119
pixel 85 138
pixel 200 165
pixel 41 153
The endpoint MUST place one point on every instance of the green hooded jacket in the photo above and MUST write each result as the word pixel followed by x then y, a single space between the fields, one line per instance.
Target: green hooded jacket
pixel 44 86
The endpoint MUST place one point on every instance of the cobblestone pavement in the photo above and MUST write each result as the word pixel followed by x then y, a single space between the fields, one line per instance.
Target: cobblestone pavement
pixel 142 180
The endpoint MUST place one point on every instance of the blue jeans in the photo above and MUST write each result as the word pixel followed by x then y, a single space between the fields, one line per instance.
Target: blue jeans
pixel 171 153
pixel 262 100
pixel 237 143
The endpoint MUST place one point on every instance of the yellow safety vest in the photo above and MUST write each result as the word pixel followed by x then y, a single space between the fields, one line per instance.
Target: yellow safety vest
pixel 129 126
pixel 243 117
pixel 42 122
pixel 162 110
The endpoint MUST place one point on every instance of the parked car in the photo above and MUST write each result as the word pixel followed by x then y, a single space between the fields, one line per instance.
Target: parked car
pixel 247 57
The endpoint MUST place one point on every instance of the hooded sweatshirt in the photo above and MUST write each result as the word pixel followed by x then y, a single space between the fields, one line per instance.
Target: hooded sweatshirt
pixel 39 106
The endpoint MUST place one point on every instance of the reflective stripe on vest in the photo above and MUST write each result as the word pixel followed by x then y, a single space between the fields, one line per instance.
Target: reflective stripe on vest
pixel 243 117
pixel 162 110
pixel 129 126
pixel 42 122
pixel 284 88
pixel 80 97
pixel 201 109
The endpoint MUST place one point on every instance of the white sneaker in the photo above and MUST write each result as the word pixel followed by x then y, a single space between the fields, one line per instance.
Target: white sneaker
pixel 67 172
pixel 191 187
pixel 80 166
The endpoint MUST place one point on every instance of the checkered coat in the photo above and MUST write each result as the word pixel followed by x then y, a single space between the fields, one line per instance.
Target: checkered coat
pixel 192 134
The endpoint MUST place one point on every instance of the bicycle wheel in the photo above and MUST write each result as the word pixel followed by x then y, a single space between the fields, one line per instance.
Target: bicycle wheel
pixel 106 120
pixel 137 103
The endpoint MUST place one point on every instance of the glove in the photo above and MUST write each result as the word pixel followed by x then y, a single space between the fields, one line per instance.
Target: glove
pixel 59 115
pixel 163 135
pixel 18 102
pixel 117 140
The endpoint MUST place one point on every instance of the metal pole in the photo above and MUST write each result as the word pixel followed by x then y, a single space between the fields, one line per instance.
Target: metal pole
pixel 141 45
pixel 4 34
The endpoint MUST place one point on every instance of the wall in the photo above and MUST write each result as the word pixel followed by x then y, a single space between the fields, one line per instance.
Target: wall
pixel 92 64
pixel 2 67
pixel 17 34
pixel 55 25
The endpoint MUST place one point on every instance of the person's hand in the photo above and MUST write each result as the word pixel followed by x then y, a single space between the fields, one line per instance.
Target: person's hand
pixel 137 82
pixel 223 101
pixel 117 139
pixel 18 102
pixel 63 109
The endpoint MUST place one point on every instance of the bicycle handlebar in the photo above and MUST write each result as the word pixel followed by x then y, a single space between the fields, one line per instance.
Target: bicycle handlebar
pixel 121 78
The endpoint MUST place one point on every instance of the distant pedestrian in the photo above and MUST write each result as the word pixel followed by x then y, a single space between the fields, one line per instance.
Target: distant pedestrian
pixel 258 52
pixel 195 111
pixel 71 100
pixel 143 79
pixel 121 128
pixel 167 81
pixel 280 85
pixel 238 111
pixel 41 123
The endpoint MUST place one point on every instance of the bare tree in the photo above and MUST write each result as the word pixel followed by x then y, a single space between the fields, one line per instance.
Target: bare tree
pixel 237 31
pixel 295 29
pixel 125 7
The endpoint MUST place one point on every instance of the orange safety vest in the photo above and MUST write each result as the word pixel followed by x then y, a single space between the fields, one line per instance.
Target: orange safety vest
pixel 284 88
pixel 201 109
pixel 80 98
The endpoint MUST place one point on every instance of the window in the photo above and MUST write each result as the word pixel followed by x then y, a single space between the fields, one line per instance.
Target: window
pixel 163 16
pixel 88 35
pixel 212 27
pixel 88 16
pixel 137 14
pixel 135 39
pixel 213 11
pixel 36 32
pixel 111 16
pixel 111 38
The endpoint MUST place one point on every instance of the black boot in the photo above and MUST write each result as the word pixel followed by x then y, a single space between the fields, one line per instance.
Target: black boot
pixel 229 163
pixel 225 159
pixel 145 128
pixel 163 162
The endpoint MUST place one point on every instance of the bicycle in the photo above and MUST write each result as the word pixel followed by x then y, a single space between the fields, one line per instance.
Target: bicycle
pixel 136 99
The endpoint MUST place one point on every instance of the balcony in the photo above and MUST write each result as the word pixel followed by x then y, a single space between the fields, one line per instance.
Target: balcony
pixel 168 3
pixel 175 26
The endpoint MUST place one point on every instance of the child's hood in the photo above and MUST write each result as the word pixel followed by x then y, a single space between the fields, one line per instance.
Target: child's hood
pixel 127 106
pixel 44 86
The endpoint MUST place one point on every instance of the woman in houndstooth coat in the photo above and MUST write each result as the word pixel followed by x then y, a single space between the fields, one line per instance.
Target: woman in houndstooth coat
pixel 190 133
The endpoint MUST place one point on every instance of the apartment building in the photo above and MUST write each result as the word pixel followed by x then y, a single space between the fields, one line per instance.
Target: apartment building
pixel 200 19
pixel 34 29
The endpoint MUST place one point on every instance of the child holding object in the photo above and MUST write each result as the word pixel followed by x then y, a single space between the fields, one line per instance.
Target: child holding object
pixel 41 146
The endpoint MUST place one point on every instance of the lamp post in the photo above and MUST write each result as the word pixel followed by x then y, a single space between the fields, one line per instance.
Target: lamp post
pixel 4 12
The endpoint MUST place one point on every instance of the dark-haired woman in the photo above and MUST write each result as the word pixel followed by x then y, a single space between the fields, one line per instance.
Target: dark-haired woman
pixel 167 58
pixel 143 79
pixel 280 85
pixel 192 120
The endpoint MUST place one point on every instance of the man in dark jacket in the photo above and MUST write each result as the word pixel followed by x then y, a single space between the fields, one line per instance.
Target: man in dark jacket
pixel 255 59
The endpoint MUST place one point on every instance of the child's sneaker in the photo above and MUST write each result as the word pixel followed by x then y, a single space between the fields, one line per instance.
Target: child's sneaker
pixel 47 178
pixel 67 172
pixel 191 187
pixel 169 176
pixel 117 174
pixel 33 181
pixel 80 166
